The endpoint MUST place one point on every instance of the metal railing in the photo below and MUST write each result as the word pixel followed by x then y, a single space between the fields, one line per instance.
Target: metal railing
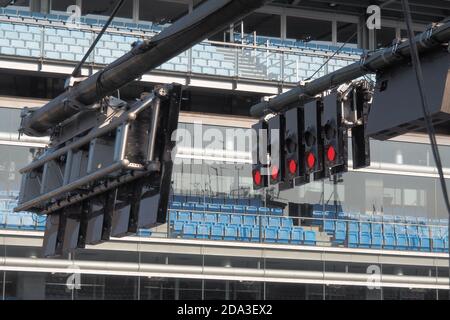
pixel 43 40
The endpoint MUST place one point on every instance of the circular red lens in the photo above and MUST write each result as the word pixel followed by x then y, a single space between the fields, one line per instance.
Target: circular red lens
pixel 331 154
pixel 257 179
pixel 311 160
pixel 275 172
pixel 292 167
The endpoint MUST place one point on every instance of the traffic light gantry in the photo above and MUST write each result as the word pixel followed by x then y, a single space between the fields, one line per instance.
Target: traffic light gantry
pixel 309 142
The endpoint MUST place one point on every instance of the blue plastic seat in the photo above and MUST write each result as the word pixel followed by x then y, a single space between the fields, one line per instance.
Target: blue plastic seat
pixel 184 216
pixel 297 235
pixel 197 217
pixel 388 229
pixel 365 240
pixel 256 234
pixel 438 232
pixel 217 231
pixel 203 231
pixel 341 226
pixel 245 233
pixel 249 220
pixel 226 208
pixel 270 234
pixel 389 241
pixel 377 240
pixel 264 211
pixel 330 214
pixel 446 244
pixel 277 211
pixel 251 210
pixel 422 220
pixel 175 205
pixel 236 219
pixel 413 242
pixel 177 228
pixel 411 220
pixel 329 226
pixel 213 207
pixel 353 227
pixel 339 237
pixel 284 235
pixel 210 218
pixel 425 243
pixel 438 245
pixel 364 227
pixel 189 230
pixel 239 209
pixel 172 216
pixel 353 239
pixel 310 237
pixel 188 206
pixel 231 232
pixel 412 230
pixel 402 241
pixel 377 228
pixel 200 206
pixel 223 218
pixel 287 222
pixel 274 222
pixel 424 231
pixel 400 229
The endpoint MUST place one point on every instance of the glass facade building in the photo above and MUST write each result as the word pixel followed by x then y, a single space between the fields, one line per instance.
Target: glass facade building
pixel 375 233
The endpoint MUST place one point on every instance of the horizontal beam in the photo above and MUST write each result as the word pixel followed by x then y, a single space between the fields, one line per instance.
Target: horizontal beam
pixel 378 60
pixel 220 273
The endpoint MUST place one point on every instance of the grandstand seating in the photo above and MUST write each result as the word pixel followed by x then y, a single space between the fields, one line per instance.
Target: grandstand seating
pixel 37 36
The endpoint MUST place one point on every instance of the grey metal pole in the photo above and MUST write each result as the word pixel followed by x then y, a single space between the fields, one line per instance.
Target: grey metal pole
pixel 425 41
pixel 208 19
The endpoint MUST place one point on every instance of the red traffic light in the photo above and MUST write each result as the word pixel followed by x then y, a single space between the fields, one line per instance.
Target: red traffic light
pixel 311 160
pixel 257 178
pixel 275 172
pixel 331 153
pixel 292 167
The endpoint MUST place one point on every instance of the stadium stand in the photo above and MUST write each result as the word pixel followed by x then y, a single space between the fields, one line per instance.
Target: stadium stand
pixel 192 218
pixel 36 35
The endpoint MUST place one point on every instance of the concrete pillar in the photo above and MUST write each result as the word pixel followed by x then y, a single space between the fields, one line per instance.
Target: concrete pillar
pixel 135 10
pixel 334 38
pixel 283 20
pixel 45 6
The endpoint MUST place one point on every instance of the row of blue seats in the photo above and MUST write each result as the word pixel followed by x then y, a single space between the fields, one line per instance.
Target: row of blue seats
pixel 295 235
pixel 376 240
pixel 144 26
pixel 230 201
pixel 233 219
pixel 377 218
pixel 211 207
pixel 296 44
pixel 330 226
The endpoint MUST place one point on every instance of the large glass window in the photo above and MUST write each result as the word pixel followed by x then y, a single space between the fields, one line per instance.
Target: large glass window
pixel 161 12
pixel 105 8
pixel 62 5
pixel 308 29
pixel 268 25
